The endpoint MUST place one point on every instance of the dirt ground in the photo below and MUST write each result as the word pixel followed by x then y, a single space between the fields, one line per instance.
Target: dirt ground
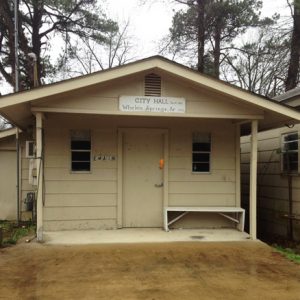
pixel 237 270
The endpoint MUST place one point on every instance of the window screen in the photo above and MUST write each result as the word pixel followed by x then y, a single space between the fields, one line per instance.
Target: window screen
pixel 201 151
pixel 80 150
pixel 289 159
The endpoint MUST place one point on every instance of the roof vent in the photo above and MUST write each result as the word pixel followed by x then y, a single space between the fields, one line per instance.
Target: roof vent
pixel 152 85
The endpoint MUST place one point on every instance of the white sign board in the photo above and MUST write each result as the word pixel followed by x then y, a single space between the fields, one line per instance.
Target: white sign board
pixel 152 104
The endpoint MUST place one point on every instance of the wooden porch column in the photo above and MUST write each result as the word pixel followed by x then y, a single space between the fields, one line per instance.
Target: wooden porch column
pixel 238 166
pixel 253 180
pixel 39 157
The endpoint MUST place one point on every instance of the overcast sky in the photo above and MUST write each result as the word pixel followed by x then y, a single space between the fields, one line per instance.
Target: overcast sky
pixel 149 23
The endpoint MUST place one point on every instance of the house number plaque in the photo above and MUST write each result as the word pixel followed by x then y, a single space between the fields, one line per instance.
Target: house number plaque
pixel 104 157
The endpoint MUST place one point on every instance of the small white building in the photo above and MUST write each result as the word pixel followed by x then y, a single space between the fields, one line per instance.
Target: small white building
pixel 8 175
pixel 122 147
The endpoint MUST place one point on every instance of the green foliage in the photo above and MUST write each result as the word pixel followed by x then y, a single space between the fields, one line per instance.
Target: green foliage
pixel 223 21
pixel 12 233
pixel 289 254
pixel 42 21
pixel 297 4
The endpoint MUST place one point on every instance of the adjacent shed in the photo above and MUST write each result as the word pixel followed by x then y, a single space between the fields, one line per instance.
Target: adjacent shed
pixel 8 175
pixel 278 176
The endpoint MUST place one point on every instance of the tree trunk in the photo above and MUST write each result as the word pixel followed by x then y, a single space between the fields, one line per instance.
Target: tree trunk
pixel 36 43
pixel 217 49
pixel 201 34
pixel 292 77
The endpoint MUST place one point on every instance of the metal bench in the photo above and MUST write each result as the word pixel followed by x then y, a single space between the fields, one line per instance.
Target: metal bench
pixel 223 211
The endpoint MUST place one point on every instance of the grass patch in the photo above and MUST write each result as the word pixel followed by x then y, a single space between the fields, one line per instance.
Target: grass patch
pixel 289 254
pixel 11 233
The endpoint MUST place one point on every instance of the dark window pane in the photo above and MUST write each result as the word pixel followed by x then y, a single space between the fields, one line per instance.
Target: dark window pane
pixel 81 166
pixel 293 156
pixel 290 153
pixel 201 167
pixel 201 147
pixel 200 157
pixel 294 166
pixel 80 145
pixel 291 146
pixel 291 137
pixel 81 156
pixel 290 162
pixel 290 156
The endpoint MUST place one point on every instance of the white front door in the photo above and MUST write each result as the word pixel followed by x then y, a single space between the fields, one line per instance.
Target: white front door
pixel 142 178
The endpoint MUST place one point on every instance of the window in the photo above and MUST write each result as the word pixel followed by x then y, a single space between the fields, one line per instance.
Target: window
pixel 201 152
pixel 80 151
pixel 289 153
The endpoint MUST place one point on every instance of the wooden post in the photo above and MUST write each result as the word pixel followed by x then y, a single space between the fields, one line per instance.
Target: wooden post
pixel 39 157
pixel 253 180
pixel 120 180
pixel 238 166
pixel 166 170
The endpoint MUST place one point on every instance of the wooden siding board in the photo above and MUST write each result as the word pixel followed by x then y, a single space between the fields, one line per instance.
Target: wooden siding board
pixel 57 200
pixel 201 187
pixel 98 174
pixel 202 199
pixel 83 187
pixel 186 175
pixel 77 213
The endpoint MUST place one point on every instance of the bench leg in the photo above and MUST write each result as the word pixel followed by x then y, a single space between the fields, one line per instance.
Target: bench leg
pixel 166 220
pixel 241 224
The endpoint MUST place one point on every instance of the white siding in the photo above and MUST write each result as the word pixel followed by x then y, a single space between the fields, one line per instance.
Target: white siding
pixel 82 201
pixel 272 190
pixel 8 180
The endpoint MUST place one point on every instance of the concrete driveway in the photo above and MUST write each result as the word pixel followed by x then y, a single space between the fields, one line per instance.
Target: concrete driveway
pixel 229 270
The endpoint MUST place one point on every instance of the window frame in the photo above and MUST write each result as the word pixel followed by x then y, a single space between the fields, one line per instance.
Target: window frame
pixel 282 144
pixel 83 150
pixel 209 152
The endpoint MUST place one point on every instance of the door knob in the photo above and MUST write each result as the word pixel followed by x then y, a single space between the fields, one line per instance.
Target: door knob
pixel 159 185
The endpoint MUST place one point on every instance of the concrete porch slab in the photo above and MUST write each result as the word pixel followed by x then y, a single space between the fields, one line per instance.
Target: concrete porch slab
pixel 143 235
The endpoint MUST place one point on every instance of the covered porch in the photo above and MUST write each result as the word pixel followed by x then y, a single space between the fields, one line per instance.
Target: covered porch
pixel 211 200
pixel 143 235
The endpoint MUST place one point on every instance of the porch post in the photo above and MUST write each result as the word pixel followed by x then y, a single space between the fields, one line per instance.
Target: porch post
pixel 120 180
pixel 253 179
pixel 238 166
pixel 39 157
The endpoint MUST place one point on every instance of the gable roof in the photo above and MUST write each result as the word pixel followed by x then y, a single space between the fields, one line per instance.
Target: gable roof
pixel 16 107
pixel 288 95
